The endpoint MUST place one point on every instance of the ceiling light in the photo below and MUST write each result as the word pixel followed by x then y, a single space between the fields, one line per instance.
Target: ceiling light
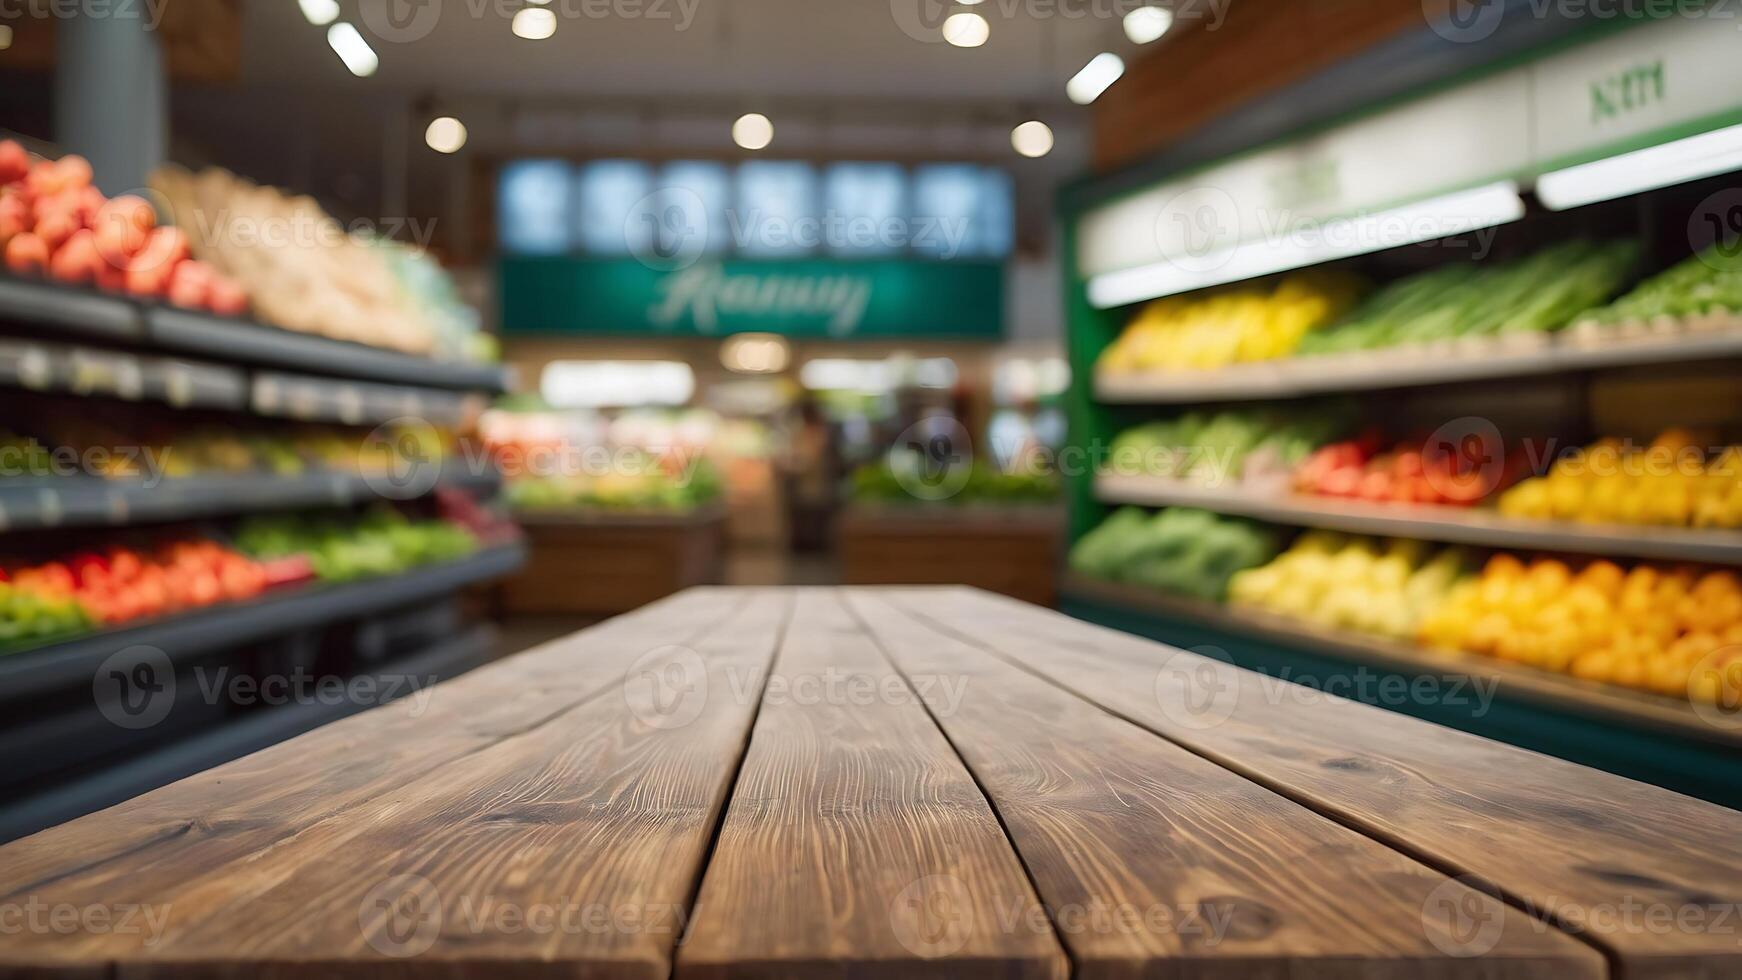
pixel 1676 162
pixel 755 353
pixel 1146 24
pixel 753 131
pixel 1087 85
pixel 966 30
pixel 445 134
pixel 534 23
pixel 319 12
pixel 605 384
pixel 1439 217
pixel 1032 138
pixel 352 49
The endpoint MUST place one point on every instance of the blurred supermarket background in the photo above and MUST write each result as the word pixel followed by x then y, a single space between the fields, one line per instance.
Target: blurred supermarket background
pixel 1387 346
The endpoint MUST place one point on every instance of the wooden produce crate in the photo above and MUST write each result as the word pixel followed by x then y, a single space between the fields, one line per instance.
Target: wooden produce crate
pixel 596 564
pixel 1010 550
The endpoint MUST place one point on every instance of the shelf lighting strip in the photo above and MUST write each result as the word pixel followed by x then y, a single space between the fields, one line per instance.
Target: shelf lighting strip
pixel 1664 165
pixel 1440 217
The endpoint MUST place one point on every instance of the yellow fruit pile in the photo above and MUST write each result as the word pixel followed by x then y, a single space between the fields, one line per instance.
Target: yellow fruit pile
pixel 1374 586
pixel 1670 483
pixel 1250 323
pixel 1650 628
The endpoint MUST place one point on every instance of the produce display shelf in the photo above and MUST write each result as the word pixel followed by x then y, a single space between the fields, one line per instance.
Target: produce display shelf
pixel 531 517
pixel 311 399
pixel 226 741
pixel 944 516
pixel 1452 525
pixel 87 371
pixel 70 664
pixel 52 502
pixel 100 316
pixel 1476 359
pixel 1589 698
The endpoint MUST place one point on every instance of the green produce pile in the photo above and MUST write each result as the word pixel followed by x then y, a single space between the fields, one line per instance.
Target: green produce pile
pixel 1707 282
pixel 1210 448
pixel 26 617
pixel 876 483
pixel 618 492
pixel 1538 294
pixel 1187 552
pixel 343 548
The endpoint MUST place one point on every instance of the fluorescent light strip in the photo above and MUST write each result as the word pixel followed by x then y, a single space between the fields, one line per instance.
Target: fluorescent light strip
pixel 319 12
pixel 1452 214
pixel 1094 78
pixel 1677 162
pixel 352 49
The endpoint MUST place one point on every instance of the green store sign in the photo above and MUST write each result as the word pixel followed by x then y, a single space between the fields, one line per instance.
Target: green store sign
pixel 817 298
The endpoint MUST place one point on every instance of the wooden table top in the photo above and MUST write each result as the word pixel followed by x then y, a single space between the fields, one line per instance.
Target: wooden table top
pixel 880 782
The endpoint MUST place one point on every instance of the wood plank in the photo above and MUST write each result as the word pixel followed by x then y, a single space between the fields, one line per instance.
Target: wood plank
pixel 1652 877
pixel 350 794
pixel 1153 861
pixel 856 844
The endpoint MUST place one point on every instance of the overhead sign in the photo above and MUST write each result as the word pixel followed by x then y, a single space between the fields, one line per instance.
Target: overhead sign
pixel 820 298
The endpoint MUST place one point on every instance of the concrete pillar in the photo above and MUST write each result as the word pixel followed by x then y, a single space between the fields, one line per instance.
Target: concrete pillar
pixel 111 97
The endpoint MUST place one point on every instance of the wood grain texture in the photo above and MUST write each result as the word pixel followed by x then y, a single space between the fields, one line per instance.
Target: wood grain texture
pixel 215 851
pixel 1652 877
pixel 1154 861
pixel 856 844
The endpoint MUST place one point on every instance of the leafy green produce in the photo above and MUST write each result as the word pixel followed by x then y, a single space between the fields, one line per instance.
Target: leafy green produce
pixel 27 618
pixel 341 548
pixel 1540 293
pixel 1707 282
pixel 1209 449
pixel 877 483
pixel 1180 550
pixel 650 490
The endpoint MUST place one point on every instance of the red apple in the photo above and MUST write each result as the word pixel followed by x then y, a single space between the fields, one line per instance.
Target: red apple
pixel 14 162
pixel 122 225
pixel 75 171
pixel 26 254
pixel 55 226
pixel 77 261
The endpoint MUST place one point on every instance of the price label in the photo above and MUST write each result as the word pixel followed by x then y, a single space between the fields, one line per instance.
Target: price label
pixel 178 385
pixel 48 507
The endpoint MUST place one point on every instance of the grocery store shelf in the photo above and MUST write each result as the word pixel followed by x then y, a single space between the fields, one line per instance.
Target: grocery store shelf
pixel 310 399
pixel 92 502
pixel 1602 701
pixel 91 315
pixel 69 664
pixel 67 369
pixel 1474 359
pixel 925 517
pixel 1453 525
pixel 534 517
pixel 226 741
pixel 227 339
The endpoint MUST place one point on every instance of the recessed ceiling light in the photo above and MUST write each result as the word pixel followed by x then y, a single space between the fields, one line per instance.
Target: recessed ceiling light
pixel 445 134
pixel 1032 138
pixel 352 49
pixel 319 12
pixel 1146 24
pixel 534 23
pixel 966 30
pixel 753 131
pixel 1087 84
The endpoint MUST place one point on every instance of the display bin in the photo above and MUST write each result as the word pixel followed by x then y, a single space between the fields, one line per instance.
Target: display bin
pixel 1009 550
pixel 588 563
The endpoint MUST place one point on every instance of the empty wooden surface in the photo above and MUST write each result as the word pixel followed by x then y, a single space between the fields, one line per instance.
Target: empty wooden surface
pixel 1652 877
pixel 866 783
